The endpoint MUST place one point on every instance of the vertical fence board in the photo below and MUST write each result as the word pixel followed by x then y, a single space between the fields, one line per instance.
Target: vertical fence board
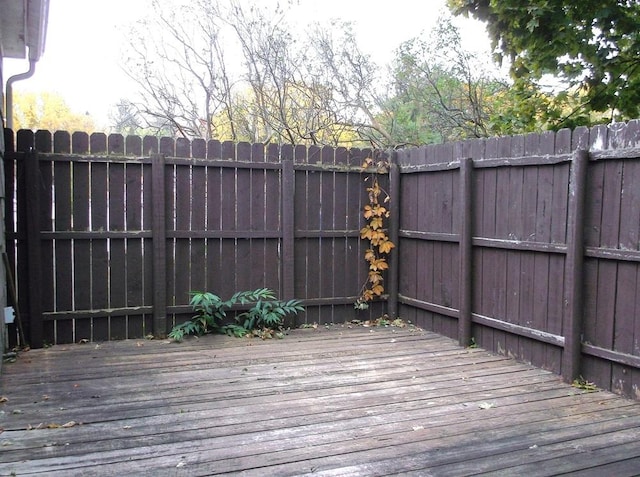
pixel 394 232
pixel 536 263
pixel 243 219
pixel 492 262
pixel 182 265
pixel 598 284
pixel 148 256
pixel 134 256
pixel 159 245
pixel 229 283
pixel 63 248
pixel 214 275
pixel 256 212
pixel 169 202
pixel 327 263
pixel 34 252
pixel 117 276
pixel 197 258
pixel 288 204
pixel 352 257
pixel 47 265
pixel 81 256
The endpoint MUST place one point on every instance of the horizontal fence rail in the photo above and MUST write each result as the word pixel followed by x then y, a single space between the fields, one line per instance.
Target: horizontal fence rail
pixel 528 246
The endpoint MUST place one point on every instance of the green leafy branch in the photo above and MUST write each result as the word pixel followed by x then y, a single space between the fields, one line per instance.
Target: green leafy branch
pixel 266 315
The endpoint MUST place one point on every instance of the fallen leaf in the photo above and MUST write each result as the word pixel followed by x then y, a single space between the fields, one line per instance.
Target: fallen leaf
pixel 83 341
pixel 417 428
pixel 3 399
pixel 181 464
pixel 69 424
pixel 486 405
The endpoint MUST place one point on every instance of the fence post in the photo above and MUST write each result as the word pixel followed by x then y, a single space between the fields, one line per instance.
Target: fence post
pixel 394 227
pixel 573 279
pixel 287 195
pixel 465 251
pixel 159 240
pixel 34 272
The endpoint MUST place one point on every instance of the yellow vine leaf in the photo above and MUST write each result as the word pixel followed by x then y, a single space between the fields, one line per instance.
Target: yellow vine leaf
pixel 385 246
pixel 377 290
pixel 377 236
pixel 375 277
pixel 369 255
pixel 368 212
pixel 379 264
pixel 367 295
pixel 375 211
pixel 376 223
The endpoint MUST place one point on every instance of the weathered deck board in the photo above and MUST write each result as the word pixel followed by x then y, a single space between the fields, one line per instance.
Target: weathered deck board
pixel 339 401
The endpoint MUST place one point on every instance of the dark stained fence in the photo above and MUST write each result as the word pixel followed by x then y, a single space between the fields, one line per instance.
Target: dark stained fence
pixel 110 234
pixel 529 246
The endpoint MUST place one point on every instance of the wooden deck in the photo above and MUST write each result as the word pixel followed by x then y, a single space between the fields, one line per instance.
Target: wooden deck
pixel 339 401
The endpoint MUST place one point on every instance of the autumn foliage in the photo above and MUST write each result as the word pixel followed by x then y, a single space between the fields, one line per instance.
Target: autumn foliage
pixel 375 233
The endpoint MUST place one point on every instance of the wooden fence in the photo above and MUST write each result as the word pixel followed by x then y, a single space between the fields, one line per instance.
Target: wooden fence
pixel 112 234
pixel 528 246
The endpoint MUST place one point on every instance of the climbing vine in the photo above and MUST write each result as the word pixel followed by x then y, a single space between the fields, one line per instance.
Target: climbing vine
pixel 375 232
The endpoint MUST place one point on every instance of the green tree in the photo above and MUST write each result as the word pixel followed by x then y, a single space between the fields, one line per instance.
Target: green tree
pixel 47 110
pixel 591 46
pixel 442 92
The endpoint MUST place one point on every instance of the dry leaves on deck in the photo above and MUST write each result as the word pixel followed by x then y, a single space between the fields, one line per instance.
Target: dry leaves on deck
pixel 53 425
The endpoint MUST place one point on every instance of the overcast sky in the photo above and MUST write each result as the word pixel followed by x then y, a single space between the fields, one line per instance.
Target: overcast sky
pixel 85 40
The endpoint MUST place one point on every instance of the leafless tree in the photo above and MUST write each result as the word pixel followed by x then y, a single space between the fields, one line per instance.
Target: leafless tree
pixel 176 57
pixel 282 85
pixel 357 95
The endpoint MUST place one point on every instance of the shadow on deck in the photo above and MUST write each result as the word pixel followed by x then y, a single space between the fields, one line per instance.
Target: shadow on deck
pixel 338 401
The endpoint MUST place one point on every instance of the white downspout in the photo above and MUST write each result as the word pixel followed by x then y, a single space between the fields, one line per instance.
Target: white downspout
pixel 9 90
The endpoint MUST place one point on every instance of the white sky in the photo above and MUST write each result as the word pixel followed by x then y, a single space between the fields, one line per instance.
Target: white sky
pixel 85 39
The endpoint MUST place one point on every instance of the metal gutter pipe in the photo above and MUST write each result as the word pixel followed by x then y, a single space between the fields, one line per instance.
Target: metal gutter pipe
pixel 9 90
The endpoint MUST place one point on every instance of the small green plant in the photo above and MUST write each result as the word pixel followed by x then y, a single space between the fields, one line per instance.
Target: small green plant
pixel 583 384
pixel 267 313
